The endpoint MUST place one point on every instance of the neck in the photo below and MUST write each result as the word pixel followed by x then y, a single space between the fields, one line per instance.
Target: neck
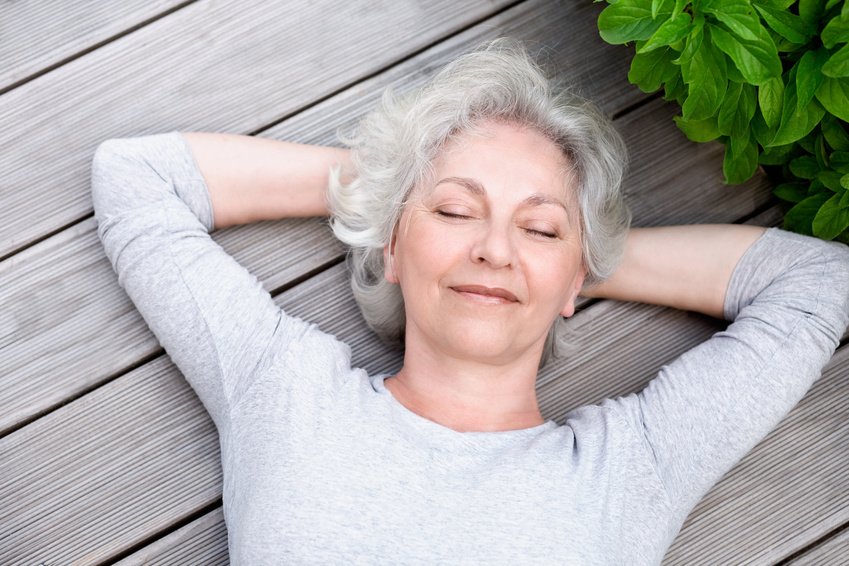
pixel 468 396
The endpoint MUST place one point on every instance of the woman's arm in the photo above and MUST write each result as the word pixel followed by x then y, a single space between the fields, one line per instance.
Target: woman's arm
pixel 788 296
pixel 252 178
pixel 687 267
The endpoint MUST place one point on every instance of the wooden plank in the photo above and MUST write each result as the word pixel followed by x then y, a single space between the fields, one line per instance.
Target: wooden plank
pixel 36 35
pixel 789 491
pixel 213 65
pixel 832 552
pixel 49 290
pixel 69 326
pixel 541 24
pixel 203 541
pixel 96 477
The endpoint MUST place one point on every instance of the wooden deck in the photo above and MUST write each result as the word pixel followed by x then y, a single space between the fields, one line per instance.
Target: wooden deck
pixel 108 456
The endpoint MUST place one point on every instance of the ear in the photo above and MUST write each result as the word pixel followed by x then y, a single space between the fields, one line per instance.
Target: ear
pixel 388 257
pixel 569 308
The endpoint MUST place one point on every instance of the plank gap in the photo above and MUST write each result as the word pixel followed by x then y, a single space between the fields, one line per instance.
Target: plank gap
pixel 70 399
pixel 212 506
pixel 825 538
pixel 636 105
pixel 47 236
pixel 307 275
pixel 385 68
pixel 93 47
pixel 772 202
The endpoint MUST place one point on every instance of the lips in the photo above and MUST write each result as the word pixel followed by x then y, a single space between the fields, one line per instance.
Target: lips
pixel 494 294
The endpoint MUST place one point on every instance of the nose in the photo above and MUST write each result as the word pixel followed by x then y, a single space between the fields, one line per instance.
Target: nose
pixel 494 246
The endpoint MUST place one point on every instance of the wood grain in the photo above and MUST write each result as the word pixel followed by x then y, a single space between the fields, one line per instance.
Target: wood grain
pixel 203 541
pixel 36 35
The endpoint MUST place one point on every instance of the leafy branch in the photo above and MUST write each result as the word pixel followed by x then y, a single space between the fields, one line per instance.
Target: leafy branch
pixel 768 78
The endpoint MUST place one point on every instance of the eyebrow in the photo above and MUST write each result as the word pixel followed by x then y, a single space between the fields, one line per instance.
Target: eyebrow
pixel 474 187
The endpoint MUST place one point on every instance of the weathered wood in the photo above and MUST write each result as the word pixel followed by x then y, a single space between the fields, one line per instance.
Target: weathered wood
pixel 832 552
pixel 36 35
pixel 98 476
pixel 203 541
pixel 212 65
pixel 70 327
pixel 552 31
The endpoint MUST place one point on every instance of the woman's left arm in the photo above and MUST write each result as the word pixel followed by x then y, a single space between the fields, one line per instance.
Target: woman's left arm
pixel 686 267
pixel 788 298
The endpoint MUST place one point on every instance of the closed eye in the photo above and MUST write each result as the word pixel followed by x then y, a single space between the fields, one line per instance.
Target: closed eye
pixel 541 233
pixel 448 214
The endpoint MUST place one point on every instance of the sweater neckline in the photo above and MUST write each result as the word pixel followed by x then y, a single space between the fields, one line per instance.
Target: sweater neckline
pixel 443 434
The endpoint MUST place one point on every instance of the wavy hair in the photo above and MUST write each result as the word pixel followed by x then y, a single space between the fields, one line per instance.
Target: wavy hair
pixel 395 146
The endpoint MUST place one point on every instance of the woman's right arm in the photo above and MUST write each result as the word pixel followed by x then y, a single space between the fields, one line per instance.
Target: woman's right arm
pixel 251 179
pixel 154 216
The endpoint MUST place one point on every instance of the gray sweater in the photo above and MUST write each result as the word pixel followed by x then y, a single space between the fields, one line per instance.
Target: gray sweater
pixel 323 466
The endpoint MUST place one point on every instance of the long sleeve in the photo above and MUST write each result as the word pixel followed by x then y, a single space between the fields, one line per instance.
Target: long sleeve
pixel 154 216
pixel 789 300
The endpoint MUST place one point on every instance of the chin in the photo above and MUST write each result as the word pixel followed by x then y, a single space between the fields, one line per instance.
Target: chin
pixel 487 345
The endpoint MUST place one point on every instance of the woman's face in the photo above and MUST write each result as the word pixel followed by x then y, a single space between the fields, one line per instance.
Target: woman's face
pixel 489 252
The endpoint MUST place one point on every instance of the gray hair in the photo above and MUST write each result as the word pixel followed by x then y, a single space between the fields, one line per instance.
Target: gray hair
pixel 396 144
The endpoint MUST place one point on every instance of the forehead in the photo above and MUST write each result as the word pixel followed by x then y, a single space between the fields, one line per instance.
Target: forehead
pixel 500 152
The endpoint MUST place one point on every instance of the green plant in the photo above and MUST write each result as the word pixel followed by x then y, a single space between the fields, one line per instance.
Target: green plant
pixel 768 78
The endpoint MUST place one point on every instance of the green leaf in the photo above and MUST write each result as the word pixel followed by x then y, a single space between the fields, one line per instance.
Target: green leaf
pixel 838 64
pixel 757 60
pixel 834 133
pixel 808 76
pixel 675 89
pixel 771 100
pixel 796 125
pixel 807 142
pixel 674 29
pixel 738 16
pixel 739 168
pixel 650 70
pixel 705 76
pixel 821 153
pixel 831 219
pixel 693 41
pixel 800 217
pixel 788 25
pixel 805 167
pixel 732 71
pixel 830 4
pixel 777 4
pixel 778 155
pixel 839 161
pixel 737 109
pixel 834 95
pixel 630 20
pixel 830 179
pixel 793 192
pixel 811 11
pixel 655 7
pixel 698 130
pixel 836 31
pixel 844 182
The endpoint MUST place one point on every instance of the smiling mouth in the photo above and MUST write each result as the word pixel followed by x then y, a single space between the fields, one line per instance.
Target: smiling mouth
pixel 486 294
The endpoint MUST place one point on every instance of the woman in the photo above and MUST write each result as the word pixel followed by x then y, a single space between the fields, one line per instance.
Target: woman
pixel 487 203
